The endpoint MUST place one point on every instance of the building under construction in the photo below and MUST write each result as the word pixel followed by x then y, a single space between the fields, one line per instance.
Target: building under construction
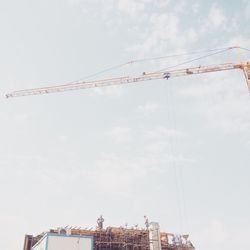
pixel 110 238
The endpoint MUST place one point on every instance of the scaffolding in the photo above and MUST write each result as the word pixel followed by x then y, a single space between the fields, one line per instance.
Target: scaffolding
pixel 119 238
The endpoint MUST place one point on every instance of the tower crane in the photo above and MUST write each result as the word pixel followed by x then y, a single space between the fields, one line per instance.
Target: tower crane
pixel 163 74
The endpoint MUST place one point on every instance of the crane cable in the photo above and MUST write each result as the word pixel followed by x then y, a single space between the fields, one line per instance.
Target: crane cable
pixel 196 59
pixel 181 54
pixel 244 49
pixel 218 50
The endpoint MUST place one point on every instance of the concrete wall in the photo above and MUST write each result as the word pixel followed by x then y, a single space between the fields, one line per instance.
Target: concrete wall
pixel 64 242
pixel 69 243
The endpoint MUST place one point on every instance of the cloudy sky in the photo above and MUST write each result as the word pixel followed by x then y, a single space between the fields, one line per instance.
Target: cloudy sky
pixel 176 151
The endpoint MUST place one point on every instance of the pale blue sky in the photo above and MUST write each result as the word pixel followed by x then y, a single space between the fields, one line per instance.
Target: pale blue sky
pixel 177 150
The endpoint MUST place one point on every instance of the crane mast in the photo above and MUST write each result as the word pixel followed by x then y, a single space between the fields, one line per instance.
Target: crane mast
pixel 163 74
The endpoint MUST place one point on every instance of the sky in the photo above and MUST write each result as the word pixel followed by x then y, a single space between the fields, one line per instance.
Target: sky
pixel 176 151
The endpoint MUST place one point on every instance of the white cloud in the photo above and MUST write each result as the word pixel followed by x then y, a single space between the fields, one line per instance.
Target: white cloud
pixel 136 8
pixel 223 101
pixel 112 174
pixel 89 8
pixel 120 134
pixel 148 108
pixel 110 91
pixel 164 150
pixel 217 232
pixel 161 142
pixel 23 161
pixel 74 2
pixel 196 7
pixel 21 118
pixel 247 11
pixel 131 7
pixel 163 33
pixel 221 236
pixel 239 40
pixel 216 18
pixel 164 29
pixel 117 174
pixel 156 31
pixel 162 3
pixel 63 138
pixel 163 132
pixel 180 7
pixel 13 221
pixel 191 35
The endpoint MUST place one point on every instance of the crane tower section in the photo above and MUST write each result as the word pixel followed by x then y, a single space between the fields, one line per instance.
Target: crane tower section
pixel 246 69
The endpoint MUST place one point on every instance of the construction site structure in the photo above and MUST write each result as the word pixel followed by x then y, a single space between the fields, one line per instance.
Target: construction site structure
pixel 110 238
pixel 162 74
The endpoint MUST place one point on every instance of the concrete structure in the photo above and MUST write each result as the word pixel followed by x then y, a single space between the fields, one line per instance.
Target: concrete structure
pixel 64 242
pixel 154 236
pixel 110 238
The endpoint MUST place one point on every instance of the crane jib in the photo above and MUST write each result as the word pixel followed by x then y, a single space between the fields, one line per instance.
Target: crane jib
pixel 163 74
